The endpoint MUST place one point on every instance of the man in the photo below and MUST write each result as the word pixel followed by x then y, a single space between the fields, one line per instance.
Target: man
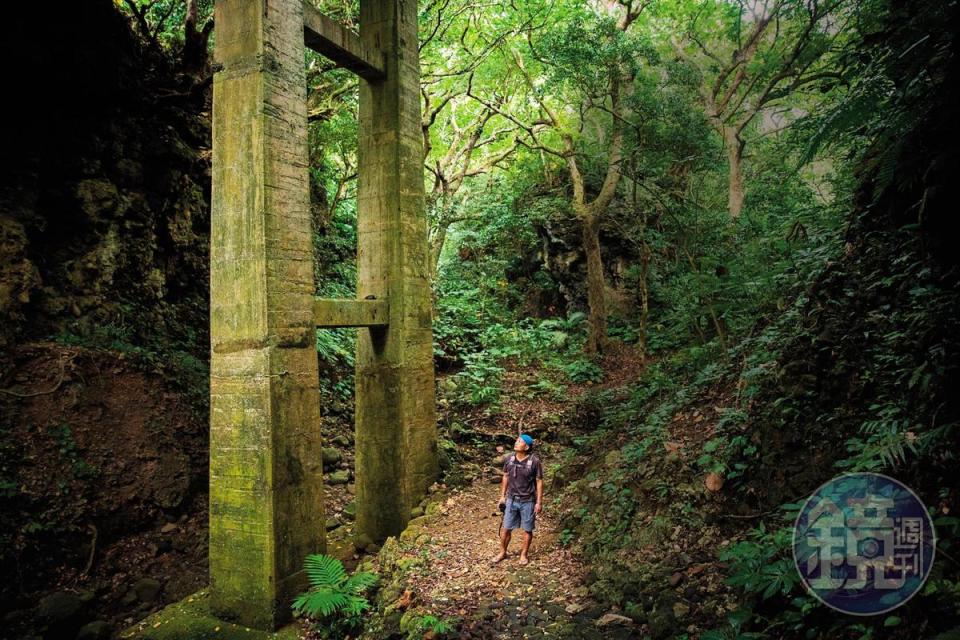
pixel 521 494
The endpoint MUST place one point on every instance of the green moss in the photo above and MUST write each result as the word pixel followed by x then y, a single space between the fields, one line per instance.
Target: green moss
pixel 190 619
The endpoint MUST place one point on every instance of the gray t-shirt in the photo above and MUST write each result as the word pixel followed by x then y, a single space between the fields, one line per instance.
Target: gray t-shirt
pixel 522 477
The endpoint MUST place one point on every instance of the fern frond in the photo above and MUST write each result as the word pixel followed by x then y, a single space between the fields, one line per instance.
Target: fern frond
pixel 320 602
pixel 360 582
pixel 331 590
pixel 324 571
pixel 356 605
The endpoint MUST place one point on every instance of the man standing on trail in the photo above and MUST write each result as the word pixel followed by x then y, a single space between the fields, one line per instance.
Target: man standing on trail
pixel 521 495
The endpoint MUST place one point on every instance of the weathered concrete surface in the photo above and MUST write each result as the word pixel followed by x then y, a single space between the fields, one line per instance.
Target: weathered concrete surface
pixel 333 313
pixel 341 45
pixel 266 509
pixel 190 619
pixel 395 414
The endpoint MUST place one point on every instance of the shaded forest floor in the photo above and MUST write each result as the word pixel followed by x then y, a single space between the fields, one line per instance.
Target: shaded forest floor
pixel 104 504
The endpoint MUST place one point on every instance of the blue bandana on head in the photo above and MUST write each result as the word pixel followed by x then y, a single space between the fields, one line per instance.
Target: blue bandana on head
pixel 527 439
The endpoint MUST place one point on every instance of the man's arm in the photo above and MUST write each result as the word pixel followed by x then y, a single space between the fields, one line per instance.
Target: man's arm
pixel 537 508
pixel 503 487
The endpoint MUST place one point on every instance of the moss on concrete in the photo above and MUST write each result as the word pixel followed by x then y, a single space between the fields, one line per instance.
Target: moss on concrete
pixel 190 619
pixel 396 444
pixel 266 467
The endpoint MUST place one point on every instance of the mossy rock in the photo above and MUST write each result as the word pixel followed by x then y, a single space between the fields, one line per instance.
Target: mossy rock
pixel 339 477
pixel 423 540
pixel 409 620
pixel 391 592
pixel 361 541
pixel 390 621
pixel 97 198
pixel 331 457
pixel 414 529
pixel 389 554
pixel 444 460
pixel 147 590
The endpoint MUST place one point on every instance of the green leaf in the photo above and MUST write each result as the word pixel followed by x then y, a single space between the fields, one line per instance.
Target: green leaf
pixel 320 603
pixel 739 617
pixel 360 582
pixel 713 445
pixel 324 571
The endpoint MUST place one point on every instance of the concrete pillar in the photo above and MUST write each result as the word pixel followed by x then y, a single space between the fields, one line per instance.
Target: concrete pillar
pixel 396 442
pixel 266 494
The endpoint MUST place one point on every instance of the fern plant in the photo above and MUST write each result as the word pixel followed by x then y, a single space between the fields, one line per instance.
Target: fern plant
pixel 762 565
pixel 332 591
pixel 429 625
pixel 580 371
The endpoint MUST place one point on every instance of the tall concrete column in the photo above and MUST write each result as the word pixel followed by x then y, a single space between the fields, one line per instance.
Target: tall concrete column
pixel 266 495
pixel 396 450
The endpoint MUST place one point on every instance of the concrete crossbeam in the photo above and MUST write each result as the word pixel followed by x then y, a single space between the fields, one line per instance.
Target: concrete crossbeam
pixel 334 41
pixel 336 313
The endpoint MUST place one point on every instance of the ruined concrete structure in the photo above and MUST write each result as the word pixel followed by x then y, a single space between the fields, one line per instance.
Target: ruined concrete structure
pixel 266 493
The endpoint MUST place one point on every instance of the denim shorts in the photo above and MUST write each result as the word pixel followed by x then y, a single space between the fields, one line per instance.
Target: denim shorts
pixel 519 515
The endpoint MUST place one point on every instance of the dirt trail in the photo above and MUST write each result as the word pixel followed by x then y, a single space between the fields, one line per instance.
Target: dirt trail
pixel 543 599
pixel 548 597
pixel 464 539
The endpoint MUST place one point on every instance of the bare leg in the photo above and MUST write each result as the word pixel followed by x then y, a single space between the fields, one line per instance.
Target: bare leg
pixel 504 541
pixel 525 546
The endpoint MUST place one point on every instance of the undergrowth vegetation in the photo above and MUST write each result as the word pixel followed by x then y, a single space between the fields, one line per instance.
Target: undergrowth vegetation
pixel 335 599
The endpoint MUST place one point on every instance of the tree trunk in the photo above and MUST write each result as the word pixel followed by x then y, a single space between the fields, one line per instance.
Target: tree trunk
pixel 438 204
pixel 194 55
pixel 734 146
pixel 644 289
pixel 597 338
pixel 437 240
